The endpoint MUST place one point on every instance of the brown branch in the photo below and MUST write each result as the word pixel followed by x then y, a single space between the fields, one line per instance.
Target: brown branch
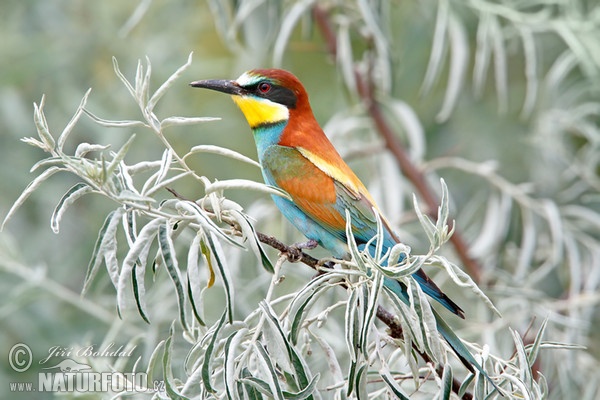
pixel 408 168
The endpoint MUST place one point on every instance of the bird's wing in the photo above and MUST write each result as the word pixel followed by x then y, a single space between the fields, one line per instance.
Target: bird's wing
pixel 324 191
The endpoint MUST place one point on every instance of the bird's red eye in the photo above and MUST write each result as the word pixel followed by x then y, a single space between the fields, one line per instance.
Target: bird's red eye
pixel 264 87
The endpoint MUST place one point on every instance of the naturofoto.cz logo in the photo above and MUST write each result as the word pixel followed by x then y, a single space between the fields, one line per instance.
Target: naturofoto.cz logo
pixel 68 375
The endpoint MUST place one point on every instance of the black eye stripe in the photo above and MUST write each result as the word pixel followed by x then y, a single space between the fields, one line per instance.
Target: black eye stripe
pixel 277 93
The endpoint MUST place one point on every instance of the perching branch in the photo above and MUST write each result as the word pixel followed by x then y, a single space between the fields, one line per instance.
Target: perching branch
pixel 409 169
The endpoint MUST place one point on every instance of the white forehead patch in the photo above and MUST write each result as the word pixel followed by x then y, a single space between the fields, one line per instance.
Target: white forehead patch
pixel 247 79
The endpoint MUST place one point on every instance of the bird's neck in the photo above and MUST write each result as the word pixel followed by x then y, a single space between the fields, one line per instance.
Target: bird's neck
pixel 268 135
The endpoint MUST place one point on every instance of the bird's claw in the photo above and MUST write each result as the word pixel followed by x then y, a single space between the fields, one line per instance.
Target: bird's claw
pixel 294 252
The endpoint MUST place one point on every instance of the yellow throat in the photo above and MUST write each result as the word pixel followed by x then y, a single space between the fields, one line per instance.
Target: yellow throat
pixel 260 111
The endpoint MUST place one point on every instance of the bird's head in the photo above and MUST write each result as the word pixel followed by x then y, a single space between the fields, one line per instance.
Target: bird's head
pixel 265 96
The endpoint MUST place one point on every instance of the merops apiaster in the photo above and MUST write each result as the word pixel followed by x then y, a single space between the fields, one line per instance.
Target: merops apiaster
pixel 296 156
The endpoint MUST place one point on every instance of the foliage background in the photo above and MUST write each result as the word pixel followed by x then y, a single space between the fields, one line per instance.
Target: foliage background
pixel 61 48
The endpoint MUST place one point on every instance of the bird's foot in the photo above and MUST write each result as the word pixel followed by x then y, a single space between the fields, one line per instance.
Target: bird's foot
pixel 308 245
pixel 294 252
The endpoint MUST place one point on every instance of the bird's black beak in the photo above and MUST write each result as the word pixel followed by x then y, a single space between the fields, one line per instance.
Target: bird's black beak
pixel 229 87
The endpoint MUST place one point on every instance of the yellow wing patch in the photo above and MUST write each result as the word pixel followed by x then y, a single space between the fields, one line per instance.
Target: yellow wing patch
pixel 333 172
pixel 261 111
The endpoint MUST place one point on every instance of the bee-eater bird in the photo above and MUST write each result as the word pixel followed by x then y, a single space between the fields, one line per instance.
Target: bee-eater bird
pixel 296 156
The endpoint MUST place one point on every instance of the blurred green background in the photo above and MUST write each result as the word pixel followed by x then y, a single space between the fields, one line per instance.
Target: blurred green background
pixel 61 48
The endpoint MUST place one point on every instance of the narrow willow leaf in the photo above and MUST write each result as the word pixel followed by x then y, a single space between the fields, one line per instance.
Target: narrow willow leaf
pixel 287 27
pixel 245 184
pixel 119 156
pixel 392 385
pixel 122 77
pixel 269 370
pixel 183 121
pixel 84 148
pixel 413 128
pixel 219 258
pixel 108 247
pixel 531 66
pixel 153 362
pixel 33 185
pixel 303 301
pixel 211 270
pixel 229 375
pixel 446 383
pixel 208 353
pixel 251 392
pixel 459 57
pixel 42 126
pixel 250 234
pixel 97 256
pixel 371 308
pixel 305 393
pixel 260 385
pixel 331 357
pixel 483 53
pixel 425 221
pixel 159 93
pixel 72 195
pixel 300 373
pixel 139 291
pixel 114 124
pixel 65 133
pixel 523 360
pixel 222 151
pixel 500 64
pixel 190 207
pixel 351 325
pixel 465 385
pixel 169 382
pixel 345 59
pixel 351 240
pixel 137 255
pixel 167 250
pixel 438 47
pixel 193 276
pixel 535 348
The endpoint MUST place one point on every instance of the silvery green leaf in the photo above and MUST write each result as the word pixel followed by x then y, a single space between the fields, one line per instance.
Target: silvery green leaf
pixel 193 277
pixel 42 126
pixel 113 123
pixel 33 185
pixel 216 252
pixel 184 121
pixel 245 184
pixel 122 78
pixel 438 47
pixel 118 157
pixel 169 256
pixel 500 67
pixel 207 148
pixel 392 385
pixel 169 381
pixel 250 234
pixel 269 371
pixel 84 148
pixel 138 253
pixel 287 26
pixel 110 224
pixel 209 353
pixel 65 133
pixel 459 57
pixel 168 83
pixel 72 195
